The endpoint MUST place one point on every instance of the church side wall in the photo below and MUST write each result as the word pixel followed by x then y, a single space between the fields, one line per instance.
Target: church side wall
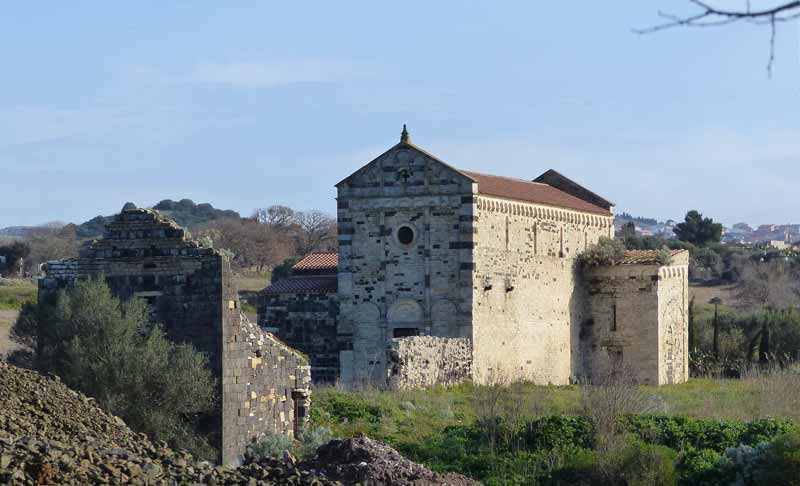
pixel 528 298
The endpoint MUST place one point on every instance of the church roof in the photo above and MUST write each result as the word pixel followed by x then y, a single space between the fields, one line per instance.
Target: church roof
pixel 318 261
pixel 529 191
pixel 551 188
pixel 307 284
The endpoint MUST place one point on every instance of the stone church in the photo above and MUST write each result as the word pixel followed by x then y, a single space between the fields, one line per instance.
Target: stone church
pixel 444 275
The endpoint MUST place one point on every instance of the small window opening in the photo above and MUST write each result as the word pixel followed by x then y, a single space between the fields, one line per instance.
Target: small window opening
pixel 613 317
pixel 405 235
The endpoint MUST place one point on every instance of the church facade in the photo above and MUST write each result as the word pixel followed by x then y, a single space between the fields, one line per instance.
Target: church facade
pixel 437 264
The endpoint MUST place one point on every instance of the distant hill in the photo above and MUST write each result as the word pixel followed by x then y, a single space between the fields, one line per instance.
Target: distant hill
pixel 16 231
pixel 184 212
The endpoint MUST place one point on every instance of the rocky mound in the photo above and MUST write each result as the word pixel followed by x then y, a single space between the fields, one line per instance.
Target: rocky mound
pixel 363 460
pixel 50 434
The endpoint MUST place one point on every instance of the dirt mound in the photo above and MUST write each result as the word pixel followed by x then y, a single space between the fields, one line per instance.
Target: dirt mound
pixel 50 434
pixel 363 460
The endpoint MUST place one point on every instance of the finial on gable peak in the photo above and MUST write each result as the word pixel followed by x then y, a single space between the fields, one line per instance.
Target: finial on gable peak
pixel 404 138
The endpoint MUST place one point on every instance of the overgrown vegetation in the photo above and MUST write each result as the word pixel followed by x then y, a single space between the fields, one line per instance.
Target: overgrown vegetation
pixel 14 294
pixel 704 432
pixel 607 251
pixel 109 350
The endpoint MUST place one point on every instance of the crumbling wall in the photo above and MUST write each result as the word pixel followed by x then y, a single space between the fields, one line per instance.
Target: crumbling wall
pixel 639 323
pixel 145 255
pixel 190 291
pixel 306 322
pixel 264 388
pixel 424 361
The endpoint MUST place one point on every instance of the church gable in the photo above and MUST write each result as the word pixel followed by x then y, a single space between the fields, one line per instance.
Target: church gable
pixel 405 169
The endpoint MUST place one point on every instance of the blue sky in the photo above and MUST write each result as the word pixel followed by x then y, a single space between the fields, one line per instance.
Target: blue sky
pixel 248 104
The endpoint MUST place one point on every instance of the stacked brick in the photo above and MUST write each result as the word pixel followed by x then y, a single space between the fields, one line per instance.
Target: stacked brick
pixel 425 361
pixel 191 292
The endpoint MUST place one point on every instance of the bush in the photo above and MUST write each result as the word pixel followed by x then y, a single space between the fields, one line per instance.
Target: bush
pixel 558 431
pixel 782 462
pixel 636 464
pixel 313 439
pixel 107 349
pixel 606 251
pixel 270 446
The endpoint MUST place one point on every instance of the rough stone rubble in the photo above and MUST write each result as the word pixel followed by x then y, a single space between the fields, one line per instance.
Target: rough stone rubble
pixel 51 435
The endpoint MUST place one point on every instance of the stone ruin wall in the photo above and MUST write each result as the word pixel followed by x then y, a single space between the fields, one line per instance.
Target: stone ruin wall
pixel 639 323
pixel 673 321
pixel 528 295
pixel 308 322
pixel 265 388
pixel 190 292
pixel 385 286
pixel 144 255
pixel 425 361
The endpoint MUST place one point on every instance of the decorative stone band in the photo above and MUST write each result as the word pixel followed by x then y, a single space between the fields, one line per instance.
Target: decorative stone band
pixel 538 211
pixel 674 271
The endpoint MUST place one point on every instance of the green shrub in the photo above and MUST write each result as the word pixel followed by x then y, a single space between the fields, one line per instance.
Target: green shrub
pixel 558 431
pixel 636 464
pixel 312 439
pixel 107 349
pixel 270 446
pixel 348 407
pixel 702 468
pixel 607 251
pixel 782 462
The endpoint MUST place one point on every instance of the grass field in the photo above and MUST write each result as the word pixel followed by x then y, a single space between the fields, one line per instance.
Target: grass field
pixel 411 415
pixel 14 293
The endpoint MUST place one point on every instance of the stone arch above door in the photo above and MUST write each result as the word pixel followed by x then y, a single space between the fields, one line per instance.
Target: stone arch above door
pixel 405 313
pixel 366 313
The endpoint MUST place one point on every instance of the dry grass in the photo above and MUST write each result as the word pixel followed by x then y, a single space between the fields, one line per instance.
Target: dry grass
pixel 7 319
pixel 704 293
pixel 250 283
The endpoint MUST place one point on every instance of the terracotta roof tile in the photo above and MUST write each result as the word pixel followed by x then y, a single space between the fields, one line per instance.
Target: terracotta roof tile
pixel 318 261
pixel 644 257
pixel 535 192
pixel 316 284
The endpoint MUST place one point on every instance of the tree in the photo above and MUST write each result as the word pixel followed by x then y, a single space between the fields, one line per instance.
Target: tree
pixel 13 253
pixel 279 217
pixel 698 230
pixel 709 16
pixel 772 284
pixel 316 231
pixel 109 350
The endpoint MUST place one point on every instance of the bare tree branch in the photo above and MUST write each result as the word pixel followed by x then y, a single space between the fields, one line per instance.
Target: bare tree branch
pixel 710 16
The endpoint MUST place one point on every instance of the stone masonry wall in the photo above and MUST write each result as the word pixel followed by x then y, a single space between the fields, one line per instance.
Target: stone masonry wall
pixel 145 255
pixel 425 361
pixel 528 297
pixel 639 323
pixel 673 318
pixel 307 322
pixel 388 289
pixel 264 388
pixel 190 291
